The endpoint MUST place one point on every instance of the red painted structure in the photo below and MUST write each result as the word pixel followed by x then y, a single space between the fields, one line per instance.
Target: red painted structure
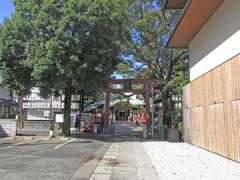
pixel 148 88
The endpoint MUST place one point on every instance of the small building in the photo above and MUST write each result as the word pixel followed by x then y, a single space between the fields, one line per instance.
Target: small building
pixel 8 112
pixel 211 32
pixel 8 103
pixel 39 111
pixel 120 108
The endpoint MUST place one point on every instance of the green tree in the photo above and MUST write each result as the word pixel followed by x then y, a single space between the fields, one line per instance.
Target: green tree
pixel 151 29
pixel 13 38
pixel 67 45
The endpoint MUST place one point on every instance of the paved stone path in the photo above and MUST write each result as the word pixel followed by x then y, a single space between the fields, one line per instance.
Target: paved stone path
pixel 125 159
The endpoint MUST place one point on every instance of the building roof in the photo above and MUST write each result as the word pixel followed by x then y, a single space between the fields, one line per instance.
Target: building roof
pixel 133 100
pixel 7 102
pixel 195 16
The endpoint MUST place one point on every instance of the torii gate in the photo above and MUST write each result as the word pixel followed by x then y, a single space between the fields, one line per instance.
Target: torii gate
pixel 146 90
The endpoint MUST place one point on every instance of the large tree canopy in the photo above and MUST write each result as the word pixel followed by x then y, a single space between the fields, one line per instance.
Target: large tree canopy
pixel 13 40
pixel 63 45
pixel 151 27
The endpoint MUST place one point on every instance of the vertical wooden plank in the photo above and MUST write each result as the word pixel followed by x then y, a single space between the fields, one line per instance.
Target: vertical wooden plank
pixel 187 114
pixel 235 63
pixel 199 115
pixel 212 128
pixel 238 130
pixel 193 94
pixel 198 126
pixel 197 96
pixel 227 105
pixel 220 136
pixel 197 131
pixel 223 131
pixel 200 92
pixel 187 126
pixel 235 128
pixel 208 99
pixel 187 97
pixel 218 87
pixel 193 125
pixel 208 88
pixel 216 125
pixel 202 130
pixel 238 77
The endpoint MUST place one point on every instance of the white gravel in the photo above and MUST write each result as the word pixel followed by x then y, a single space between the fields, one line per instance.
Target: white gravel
pixel 181 161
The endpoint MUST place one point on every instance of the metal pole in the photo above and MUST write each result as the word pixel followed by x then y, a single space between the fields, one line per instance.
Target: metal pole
pixel 51 121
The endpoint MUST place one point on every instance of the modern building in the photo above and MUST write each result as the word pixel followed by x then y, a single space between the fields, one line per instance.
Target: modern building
pixel 210 29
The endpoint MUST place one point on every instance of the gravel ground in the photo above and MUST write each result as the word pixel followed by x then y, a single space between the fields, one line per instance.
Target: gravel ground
pixel 181 161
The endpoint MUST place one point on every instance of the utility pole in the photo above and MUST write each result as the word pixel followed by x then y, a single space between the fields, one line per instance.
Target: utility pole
pixel 51 120
pixel 81 100
pixel 160 122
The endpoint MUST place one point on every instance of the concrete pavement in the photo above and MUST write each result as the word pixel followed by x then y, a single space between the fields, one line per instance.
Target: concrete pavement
pixel 117 156
pixel 41 160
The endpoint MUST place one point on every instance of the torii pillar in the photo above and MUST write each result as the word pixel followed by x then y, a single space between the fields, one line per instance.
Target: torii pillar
pixel 106 108
pixel 146 98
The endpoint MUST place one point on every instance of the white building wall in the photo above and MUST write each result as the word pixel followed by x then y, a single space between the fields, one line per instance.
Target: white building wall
pixel 218 41
pixel 4 93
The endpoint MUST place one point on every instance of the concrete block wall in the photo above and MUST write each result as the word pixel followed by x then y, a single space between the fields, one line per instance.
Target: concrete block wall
pixel 8 127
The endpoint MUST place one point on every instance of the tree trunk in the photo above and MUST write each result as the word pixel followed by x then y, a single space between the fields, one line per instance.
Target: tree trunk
pixel 20 118
pixel 173 120
pixel 67 112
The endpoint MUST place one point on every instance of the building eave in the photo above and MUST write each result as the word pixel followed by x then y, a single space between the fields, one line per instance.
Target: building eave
pixel 174 4
pixel 196 14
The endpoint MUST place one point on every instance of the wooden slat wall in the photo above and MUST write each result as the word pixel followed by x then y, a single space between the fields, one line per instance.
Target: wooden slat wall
pixel 187 114
pixel 215 110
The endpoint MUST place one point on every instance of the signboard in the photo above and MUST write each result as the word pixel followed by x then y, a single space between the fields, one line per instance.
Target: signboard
pixel 59 118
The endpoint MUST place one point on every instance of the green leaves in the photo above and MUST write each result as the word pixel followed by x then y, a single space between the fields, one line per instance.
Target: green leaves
pixel 53 42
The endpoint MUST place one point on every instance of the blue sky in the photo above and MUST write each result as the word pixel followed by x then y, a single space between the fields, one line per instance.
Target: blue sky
pixel 6 9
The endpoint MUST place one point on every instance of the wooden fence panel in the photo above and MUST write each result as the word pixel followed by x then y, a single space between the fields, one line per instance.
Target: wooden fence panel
pixel 215 110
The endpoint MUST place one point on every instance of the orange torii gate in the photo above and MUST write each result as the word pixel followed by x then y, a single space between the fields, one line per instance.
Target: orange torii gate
pixel 148 88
